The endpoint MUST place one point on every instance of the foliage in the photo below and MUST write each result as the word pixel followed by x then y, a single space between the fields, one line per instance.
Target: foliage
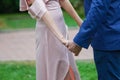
pixel 12 6
pixel 18 21
pixel 78 5
pixel 9 6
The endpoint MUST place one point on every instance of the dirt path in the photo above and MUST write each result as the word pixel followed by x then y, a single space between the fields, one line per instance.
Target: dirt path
pixel 20 45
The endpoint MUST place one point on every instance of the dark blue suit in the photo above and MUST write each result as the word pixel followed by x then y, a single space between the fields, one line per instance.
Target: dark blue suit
pixel 101 29
pixel 87 4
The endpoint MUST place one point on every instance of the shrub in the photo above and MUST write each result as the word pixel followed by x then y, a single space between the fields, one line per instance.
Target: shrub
pixel 12 6
pixel 78 5
pixel 9 6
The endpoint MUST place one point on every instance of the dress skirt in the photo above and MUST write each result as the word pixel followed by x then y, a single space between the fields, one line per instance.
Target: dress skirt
pixel 53 60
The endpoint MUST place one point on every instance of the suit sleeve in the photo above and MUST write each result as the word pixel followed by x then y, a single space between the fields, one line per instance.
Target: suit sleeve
pixel 96 16
pixel 37 9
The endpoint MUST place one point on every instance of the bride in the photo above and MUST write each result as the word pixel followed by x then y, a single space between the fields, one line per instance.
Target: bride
pixel 53 60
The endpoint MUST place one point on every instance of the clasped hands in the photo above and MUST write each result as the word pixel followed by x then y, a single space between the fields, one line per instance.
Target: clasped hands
pixel 73 47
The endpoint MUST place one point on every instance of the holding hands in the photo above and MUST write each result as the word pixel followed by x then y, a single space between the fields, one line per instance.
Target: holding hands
pixel 73 48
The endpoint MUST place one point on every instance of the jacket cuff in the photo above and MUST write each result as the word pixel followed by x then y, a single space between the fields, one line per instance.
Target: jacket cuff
pixel 81 42
pixel 37 9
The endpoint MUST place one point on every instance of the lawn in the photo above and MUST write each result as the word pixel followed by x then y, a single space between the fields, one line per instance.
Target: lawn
pixel 13 70
pixel 23 20
pixel 16 21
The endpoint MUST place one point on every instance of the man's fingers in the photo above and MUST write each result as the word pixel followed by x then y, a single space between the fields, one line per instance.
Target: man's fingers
pixel 77 51
pixel 73 48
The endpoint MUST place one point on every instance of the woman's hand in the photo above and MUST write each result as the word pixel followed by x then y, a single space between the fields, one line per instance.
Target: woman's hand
pixel 29 2
pixel 65 42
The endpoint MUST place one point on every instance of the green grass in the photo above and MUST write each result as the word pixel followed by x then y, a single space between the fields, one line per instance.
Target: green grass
pixel 26 70
pixel 23 20
pixel 87 70
pixel 16 21
pixel 69 21
pixel 17 71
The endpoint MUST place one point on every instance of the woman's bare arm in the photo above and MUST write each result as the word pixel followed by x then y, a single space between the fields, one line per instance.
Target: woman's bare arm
pixel 52 26
pixel 50 23
pixel 65 4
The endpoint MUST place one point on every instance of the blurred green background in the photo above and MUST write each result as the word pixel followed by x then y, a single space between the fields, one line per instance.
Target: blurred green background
pixel 11 18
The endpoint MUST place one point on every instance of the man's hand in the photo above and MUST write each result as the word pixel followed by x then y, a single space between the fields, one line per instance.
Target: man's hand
pixel 29 2
pixel 74 48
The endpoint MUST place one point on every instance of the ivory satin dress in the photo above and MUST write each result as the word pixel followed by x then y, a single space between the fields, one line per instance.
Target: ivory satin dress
pixel 53 60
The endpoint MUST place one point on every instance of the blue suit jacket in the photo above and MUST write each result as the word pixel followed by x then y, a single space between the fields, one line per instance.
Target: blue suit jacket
pixel 101 28
pixel 87 4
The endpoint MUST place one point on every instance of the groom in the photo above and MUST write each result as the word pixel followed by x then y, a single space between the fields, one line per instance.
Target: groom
pixel 101 29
